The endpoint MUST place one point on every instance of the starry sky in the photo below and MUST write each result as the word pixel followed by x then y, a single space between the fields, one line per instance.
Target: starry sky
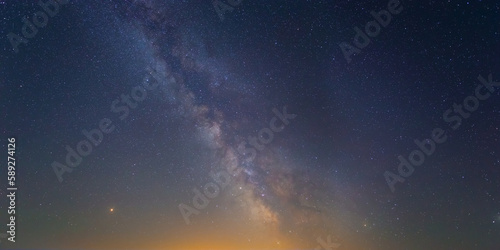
pixel 187 124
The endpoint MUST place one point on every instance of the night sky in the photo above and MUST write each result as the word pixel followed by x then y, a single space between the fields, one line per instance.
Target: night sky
pixel 251 124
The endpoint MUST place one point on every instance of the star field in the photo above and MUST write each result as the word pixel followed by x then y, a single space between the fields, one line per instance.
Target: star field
pixel 148 124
